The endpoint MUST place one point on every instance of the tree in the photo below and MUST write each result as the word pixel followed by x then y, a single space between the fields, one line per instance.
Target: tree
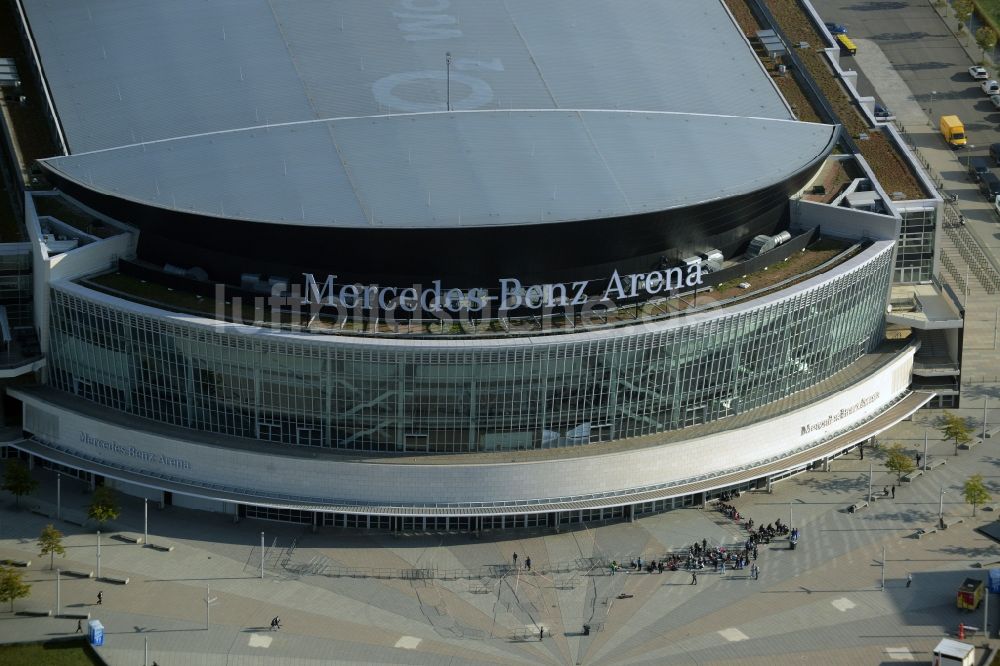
pixel 963 10
pixel 975 492
pixel 17 479
pixel 899 461
pixel 50 543
pixel 104 506
pixel 955 428
pixel 12 586
pixel 986 39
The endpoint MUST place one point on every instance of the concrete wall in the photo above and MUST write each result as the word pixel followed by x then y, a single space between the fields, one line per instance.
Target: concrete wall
pixel 843 222
pixel 84 260
pixel 314 476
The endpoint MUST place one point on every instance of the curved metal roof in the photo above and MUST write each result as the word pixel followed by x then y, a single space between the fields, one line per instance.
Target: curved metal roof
pixel 457 169
pixel 321 112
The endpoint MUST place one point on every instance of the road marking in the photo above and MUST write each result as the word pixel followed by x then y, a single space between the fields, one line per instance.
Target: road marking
pixel 843 604
pixel 408 642
pixel 259 640
pixel 899 654
pixel 733 634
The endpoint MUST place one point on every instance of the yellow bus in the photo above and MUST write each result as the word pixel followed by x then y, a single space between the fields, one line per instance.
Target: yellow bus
pixel 846 45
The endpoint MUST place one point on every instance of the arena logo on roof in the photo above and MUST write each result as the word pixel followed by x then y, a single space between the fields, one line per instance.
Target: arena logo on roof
pixel 510 293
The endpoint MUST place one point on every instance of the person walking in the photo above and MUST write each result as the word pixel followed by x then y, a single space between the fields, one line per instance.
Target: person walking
pixel 894 491
pixel 861 450
pixel 527 563
pixel 909 579
pixel 541 634
pixel 79 626
pixel 694 577
pixel 100 597
pixel 515 559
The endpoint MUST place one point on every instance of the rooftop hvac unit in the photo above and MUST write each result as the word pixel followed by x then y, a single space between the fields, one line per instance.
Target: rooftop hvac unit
pixel 712 260
pixel 761 244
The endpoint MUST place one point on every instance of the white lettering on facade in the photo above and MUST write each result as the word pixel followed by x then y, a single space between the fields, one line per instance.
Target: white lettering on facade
pixel 837 416
pixel 512 293
pixel 133 452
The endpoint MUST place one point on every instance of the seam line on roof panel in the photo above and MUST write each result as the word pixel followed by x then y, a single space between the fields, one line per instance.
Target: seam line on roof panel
pixel 291 56
pixel 368 215
pixel 531 55
pixel 293 123
pixel 611 173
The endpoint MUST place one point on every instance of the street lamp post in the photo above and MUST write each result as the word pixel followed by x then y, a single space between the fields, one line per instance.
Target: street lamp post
pixel 59 495
pixel 883 568
pixel 968 156
pixel 941 508
pixel 447 65
pixel 98 553
pixel 930 109
pixel 925 450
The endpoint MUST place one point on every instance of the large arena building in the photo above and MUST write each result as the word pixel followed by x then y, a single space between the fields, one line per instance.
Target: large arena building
pixel 447 264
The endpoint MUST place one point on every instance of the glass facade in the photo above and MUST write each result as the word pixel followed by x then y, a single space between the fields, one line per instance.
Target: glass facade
pixel 915 253
pixel 408 395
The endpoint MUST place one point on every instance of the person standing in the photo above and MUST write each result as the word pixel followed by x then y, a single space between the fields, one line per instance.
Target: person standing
pixel 515 559
pixel 527 563
pixel 541 633
pixel 909 579
pixel 894 491
pixel 100 597
pixel 861 450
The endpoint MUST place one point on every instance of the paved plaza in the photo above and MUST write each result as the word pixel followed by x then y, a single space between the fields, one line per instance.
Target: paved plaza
pixel 456 599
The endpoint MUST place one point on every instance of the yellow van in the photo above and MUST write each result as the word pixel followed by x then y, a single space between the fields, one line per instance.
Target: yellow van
pixel 846 45
pixel 953 131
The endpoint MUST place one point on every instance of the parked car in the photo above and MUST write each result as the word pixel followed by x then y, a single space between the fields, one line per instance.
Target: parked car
pixel 836 28
pixel 989 185
pixel 990 87
pixel 882 113
pixel 995 153
pixel 978 72
pixel 977 168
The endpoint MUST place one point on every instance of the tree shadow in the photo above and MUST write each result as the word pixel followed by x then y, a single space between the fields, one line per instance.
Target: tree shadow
pixel 876 6
pixel 971 552
pixel 981 391
pixel 923 66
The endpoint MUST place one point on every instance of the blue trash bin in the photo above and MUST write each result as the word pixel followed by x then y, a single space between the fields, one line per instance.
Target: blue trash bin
pixel 95 632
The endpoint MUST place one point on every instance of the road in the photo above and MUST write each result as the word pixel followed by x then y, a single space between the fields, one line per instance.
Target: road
pixel 910 60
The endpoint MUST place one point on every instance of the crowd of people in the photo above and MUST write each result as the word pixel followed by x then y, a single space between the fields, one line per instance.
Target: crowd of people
pixel 701 555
